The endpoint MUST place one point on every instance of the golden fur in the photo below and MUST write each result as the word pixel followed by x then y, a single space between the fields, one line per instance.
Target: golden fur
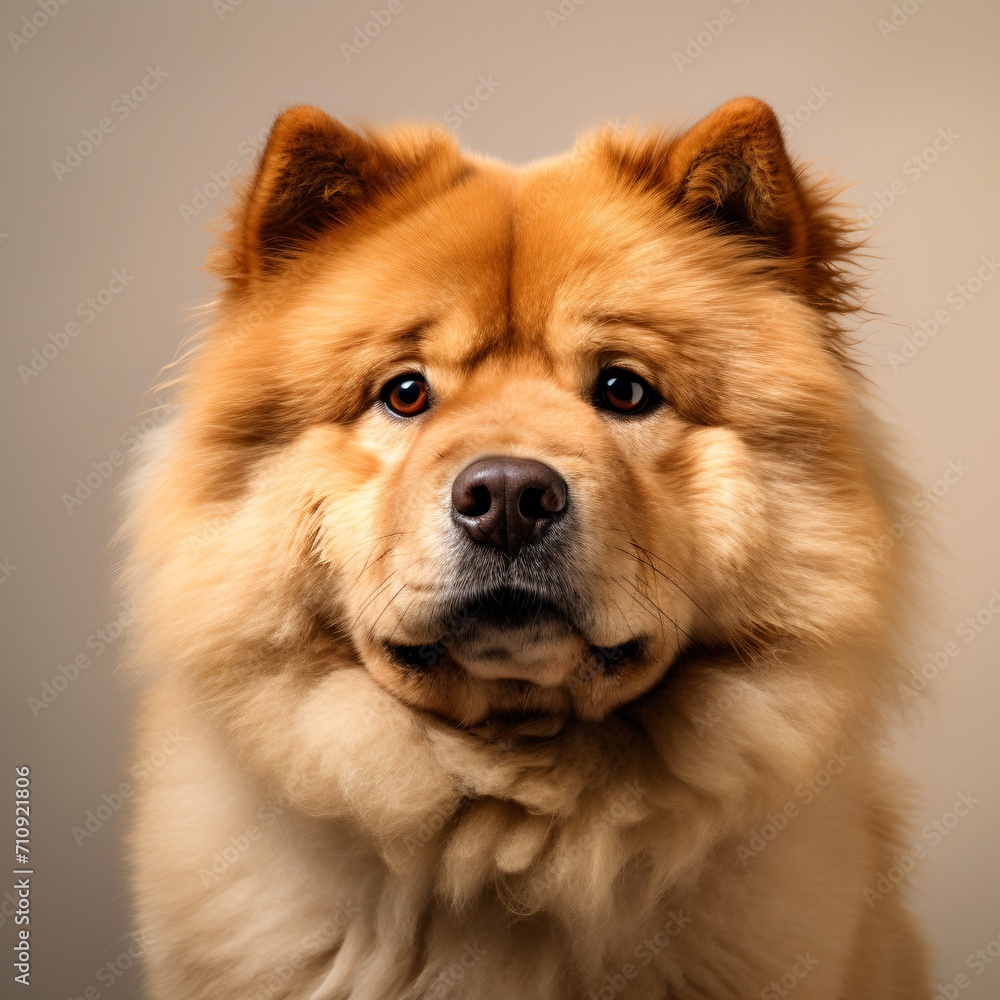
pixel 557 826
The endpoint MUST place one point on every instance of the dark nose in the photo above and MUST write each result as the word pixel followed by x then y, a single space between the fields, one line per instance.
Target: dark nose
pixel 507 502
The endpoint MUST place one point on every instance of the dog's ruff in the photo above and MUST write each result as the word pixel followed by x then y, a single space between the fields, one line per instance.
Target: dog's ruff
pixel 707 818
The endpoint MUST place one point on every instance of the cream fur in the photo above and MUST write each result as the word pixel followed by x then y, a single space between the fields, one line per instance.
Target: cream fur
pixel 337 829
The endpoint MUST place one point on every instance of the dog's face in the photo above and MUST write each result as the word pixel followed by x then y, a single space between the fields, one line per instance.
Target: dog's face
pixel 520 438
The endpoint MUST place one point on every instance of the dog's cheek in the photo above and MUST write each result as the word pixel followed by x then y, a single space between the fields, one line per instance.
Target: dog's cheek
pixel 725 502
pixel 253 573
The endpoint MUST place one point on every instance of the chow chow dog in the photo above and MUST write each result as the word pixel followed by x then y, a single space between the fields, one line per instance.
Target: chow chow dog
pixel 514 581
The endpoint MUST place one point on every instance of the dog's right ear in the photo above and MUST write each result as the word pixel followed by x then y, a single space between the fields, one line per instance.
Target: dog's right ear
pixel 314 175
pixel 732 174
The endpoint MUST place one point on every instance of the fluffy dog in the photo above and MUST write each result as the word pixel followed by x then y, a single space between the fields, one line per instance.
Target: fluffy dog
pixel 515 577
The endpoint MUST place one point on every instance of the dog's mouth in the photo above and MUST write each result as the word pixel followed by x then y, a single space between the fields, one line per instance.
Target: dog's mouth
pixel 511 608
pixel 508 633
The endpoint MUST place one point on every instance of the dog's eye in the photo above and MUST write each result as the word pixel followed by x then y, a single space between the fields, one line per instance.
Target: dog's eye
pixel 622 391
pixel 406 394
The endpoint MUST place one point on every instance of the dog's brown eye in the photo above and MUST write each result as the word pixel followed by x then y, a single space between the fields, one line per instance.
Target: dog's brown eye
pixel 622 391
pixel 406 395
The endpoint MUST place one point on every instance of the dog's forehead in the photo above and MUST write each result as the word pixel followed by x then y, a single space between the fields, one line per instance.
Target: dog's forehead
pixel 554 260
pixel 509 259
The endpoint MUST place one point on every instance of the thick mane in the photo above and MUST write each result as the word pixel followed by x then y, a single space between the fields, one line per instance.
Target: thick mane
pixel 522 805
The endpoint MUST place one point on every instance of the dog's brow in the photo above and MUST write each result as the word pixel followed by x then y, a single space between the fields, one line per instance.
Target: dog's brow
pixel 617 319
pixel 503 347
pixel 411 334
pixel 475 357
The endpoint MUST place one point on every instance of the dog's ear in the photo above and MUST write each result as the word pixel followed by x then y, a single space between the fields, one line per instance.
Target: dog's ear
pixel 731 169
pixel 731 172
pixel 313 175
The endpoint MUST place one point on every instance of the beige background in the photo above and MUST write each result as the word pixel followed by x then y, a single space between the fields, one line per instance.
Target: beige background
pixel 880 97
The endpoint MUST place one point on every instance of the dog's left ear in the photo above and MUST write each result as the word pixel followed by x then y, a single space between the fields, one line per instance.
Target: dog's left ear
pixel 315 176
pixel 732 170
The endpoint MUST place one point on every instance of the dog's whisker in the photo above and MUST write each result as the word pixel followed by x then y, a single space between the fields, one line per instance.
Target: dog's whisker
pixel 651 554
pixel 400 618
pixel 659 573
pixel 388 604
pixel 637 596
pixel 380 589
pixel 374 544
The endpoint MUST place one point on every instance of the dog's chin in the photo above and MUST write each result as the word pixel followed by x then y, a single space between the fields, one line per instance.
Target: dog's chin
pixel 542 654
pixel 507 653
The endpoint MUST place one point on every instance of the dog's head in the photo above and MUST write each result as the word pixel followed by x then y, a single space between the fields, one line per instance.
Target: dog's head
pixel 517 439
